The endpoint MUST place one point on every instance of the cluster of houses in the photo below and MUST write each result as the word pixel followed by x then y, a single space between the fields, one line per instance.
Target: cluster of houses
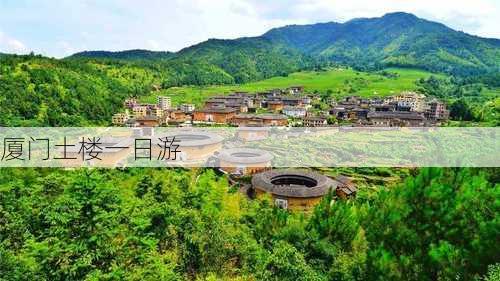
pixel 289 189
pixel 283 107
pixel 407 109
pixel 271 108
pixel 152 115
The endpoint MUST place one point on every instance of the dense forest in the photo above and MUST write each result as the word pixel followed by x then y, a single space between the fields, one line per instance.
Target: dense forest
pixel 218 61
pixel 396 39
pixel 38 91
pixel 468 99
pixel 163 224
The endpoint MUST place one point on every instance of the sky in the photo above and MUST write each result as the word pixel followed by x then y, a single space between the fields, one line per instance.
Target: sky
pixel 59 28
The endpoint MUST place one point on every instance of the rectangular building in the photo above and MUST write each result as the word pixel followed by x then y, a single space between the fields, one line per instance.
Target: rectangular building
pixel 120 119
pixel 187 107
pixel 294 111
pixel 212 115
pixel 163 102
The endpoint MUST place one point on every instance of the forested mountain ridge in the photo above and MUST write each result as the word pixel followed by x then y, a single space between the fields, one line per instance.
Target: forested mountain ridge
pixel 395 39
pixel 126 55
pixel 218 61
pixel 248 59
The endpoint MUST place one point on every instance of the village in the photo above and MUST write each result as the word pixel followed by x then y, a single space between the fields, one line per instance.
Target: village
pixel 251 169
pixel 287 107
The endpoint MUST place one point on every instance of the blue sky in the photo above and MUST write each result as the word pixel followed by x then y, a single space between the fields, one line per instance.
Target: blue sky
pixel 61 27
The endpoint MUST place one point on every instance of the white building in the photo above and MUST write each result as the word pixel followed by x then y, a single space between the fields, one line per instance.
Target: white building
pixel 415 101
pixel 294 111
pixel 187 107
pixel 164 102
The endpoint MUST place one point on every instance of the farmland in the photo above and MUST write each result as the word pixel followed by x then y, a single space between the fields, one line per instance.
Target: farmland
pixel 337 82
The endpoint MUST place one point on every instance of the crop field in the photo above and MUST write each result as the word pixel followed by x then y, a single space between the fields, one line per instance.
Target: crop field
pixel 337 82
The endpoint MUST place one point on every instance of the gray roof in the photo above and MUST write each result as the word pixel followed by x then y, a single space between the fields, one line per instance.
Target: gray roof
pixel 217 110
pixel 261 116
pixel 346 184
pixel 315 118
pixel 408 115
pixel 273 116
pixel 264 181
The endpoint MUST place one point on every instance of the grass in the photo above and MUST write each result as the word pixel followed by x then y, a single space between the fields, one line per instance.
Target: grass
pixel 341 82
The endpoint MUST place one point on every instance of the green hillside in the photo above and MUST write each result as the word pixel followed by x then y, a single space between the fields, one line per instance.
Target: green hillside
pixel 216 61
pixel 396 39
pixel 335 81
pixel 393 40
pixel 126 55
pixel 38 91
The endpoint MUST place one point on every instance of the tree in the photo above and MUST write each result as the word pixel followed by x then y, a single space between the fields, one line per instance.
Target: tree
pixel 460 110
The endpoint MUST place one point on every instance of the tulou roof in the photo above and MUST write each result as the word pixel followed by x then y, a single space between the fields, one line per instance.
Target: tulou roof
pixel 294 183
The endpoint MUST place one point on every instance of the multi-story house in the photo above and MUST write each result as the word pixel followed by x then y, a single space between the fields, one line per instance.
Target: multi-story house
pixel 187 107
pixel 163 102
pixel 140 111
pixel 120 119
pixel 412 100
pixel 436 110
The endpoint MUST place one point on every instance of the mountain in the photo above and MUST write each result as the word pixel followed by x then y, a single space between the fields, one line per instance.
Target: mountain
pixel 395 39
pixel 247 59
pixel 125 55
pixel 217 61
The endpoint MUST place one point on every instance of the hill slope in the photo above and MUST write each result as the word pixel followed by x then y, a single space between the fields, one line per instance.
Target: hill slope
pixel 125 55
pixel 218 61
pixel 38 91
pixel 396 39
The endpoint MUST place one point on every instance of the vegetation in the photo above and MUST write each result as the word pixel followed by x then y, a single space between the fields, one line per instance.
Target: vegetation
pixel 396 39
pixel 468 99
pixel 38 91
pixel 125 55
pixel 175 224
pixel 164 224
pixel 334 82
pixel 217 61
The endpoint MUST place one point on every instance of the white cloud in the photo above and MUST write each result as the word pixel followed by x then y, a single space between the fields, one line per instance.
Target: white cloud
pixel 65 48
pixel 11 45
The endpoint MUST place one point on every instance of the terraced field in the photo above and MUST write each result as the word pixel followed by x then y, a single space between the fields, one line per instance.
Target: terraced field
pixel 337 82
